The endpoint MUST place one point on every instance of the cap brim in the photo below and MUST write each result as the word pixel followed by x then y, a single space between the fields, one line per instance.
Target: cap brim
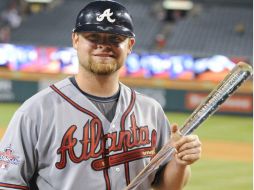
pixel 105 29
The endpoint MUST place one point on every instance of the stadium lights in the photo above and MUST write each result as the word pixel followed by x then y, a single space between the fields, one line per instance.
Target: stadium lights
pixel 39 1
pixel 178 5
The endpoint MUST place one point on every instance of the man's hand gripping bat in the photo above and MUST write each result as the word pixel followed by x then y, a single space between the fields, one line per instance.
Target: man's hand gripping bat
pixel 225 88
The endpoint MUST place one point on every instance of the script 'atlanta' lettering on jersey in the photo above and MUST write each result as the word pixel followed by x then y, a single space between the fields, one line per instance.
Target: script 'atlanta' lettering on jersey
pixel 106 14
pixel 94 144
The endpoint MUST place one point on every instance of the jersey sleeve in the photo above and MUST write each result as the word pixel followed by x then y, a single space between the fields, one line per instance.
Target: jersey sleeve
pixel 163 127
pixel 17 153
pixel 163 137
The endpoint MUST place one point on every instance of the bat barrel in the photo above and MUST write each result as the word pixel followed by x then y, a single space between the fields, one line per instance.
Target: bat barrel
pixel 219 95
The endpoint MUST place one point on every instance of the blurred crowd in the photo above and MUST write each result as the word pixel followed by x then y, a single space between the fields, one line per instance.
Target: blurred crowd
pixel 10 18
pixel 12 14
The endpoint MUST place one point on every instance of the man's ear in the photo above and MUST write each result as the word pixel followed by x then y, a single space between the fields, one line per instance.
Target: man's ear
pixel 131 44
pixel 74 40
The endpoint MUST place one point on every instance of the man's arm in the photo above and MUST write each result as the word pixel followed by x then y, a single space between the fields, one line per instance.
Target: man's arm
pixel 17 163
pixel 176 173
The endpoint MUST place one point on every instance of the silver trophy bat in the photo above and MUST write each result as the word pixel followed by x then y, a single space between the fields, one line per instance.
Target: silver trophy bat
pixel 225 88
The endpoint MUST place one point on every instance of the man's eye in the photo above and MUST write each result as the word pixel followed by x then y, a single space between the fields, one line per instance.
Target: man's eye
pixel 116 39
pixel 92 38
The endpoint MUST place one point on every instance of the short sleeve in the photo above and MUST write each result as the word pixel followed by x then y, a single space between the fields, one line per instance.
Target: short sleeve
pixel 165 132
pixel 163 127
pixel 17 153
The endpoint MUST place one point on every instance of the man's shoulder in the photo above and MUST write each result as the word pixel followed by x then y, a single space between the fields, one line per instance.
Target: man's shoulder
pixel 45 97
pixel 143 99
pixel 147 99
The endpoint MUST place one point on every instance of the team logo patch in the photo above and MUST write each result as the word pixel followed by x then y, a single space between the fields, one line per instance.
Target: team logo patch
pixel 106 14
pixel 7 158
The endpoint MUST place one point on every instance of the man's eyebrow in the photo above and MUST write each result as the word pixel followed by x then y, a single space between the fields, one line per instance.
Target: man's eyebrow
pixel 91 34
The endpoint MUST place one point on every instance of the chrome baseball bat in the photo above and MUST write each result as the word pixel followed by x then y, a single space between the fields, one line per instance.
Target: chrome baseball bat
pixel 220 94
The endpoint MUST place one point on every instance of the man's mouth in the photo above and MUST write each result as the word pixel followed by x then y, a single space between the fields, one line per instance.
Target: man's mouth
pixel 104 55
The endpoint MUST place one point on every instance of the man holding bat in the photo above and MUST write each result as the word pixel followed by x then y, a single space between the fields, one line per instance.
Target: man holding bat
pixel 177 172
pixel 90 131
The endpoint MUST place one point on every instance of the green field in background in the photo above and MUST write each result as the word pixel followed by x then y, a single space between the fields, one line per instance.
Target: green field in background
pixel 220 175
pixel 220 127
pixel 6 112
pixel 206 174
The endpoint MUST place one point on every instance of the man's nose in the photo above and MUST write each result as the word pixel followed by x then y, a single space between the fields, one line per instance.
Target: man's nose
pixel 104 41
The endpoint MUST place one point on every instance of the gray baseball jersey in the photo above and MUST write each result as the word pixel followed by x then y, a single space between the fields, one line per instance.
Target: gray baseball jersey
pixel 59 140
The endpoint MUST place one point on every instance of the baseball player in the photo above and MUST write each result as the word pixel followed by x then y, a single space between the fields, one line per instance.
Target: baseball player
pixel 90 131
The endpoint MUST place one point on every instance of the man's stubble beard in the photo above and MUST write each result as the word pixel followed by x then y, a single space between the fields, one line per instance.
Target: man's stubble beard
pixel 102 67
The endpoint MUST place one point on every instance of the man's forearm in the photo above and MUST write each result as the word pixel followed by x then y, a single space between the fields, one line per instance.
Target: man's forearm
pixel 174 176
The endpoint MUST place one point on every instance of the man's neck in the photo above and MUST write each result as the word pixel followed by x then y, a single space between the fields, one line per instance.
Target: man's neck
pixel 98 85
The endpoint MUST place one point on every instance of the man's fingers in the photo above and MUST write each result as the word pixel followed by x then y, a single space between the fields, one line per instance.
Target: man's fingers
pixel 174 128
pixel 189 145
pixel 188 148
pixel 187 142
pixel 175 133
pixel 190 158
pixel 189 152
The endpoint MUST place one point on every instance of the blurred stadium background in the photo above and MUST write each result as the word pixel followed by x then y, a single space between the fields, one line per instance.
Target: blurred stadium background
pixel 183 49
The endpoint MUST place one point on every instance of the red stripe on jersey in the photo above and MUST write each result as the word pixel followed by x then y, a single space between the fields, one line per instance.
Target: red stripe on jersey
pixel 105 170
pixel 13 186
pixel 126 113
pixel 78 107
pixel 106 176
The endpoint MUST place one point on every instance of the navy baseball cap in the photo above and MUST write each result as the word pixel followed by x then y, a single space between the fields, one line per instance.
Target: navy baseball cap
pixel 105 16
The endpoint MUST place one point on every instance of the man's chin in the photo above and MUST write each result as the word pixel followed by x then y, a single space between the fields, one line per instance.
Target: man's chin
pixel 104 60
pixel 104 70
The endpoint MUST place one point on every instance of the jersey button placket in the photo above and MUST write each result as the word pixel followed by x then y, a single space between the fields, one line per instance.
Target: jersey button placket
pixel 112 128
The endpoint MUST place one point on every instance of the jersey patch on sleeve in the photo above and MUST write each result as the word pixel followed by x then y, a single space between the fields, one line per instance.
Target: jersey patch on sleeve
pixel 7 158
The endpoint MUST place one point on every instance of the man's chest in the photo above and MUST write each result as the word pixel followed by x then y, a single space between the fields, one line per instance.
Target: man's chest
pixel 95 139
